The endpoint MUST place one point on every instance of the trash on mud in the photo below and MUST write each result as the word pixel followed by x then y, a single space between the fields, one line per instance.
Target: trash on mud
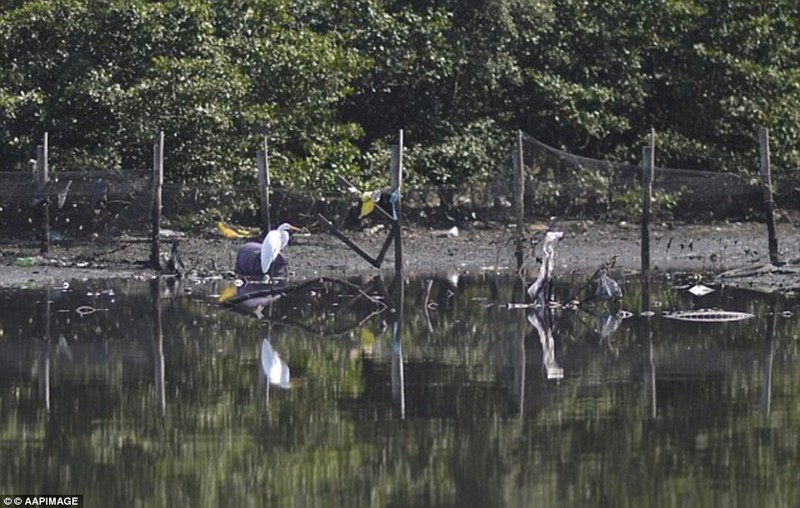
pixel 605 288
pixel 25 262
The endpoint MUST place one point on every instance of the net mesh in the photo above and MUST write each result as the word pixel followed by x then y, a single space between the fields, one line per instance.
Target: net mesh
pixel 92 204
pixel 82 204
pixel 561 183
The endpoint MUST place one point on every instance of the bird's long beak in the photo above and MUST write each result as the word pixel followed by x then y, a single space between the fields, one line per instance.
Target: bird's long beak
pixel 294 228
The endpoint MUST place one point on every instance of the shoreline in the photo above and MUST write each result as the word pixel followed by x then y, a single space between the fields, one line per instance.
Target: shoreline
pixel 707 250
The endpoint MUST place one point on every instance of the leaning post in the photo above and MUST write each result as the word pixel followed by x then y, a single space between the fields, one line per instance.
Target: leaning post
pixel 396 169
pixel 519 197
pixel 158 182
pixel 769 203
pixel 42 153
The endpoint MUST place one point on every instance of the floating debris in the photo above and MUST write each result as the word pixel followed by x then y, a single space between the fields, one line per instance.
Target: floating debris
pixel 708 315
pixel 512 305
pixel 700 290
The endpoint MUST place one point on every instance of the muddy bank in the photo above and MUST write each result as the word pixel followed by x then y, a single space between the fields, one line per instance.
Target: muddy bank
pixel 708 250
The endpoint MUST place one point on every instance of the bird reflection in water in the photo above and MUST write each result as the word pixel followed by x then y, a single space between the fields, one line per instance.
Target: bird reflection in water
pixel 275 369
pixel 542 320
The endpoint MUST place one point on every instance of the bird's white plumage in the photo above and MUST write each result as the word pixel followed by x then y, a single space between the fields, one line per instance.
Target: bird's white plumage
pixel 548 261
pixel 275 369
pixel 273 243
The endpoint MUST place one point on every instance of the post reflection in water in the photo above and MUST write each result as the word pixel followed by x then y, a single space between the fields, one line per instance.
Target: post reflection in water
pixel 398 372
pixel 645 334
pixel 439 409
pixel 769 352
pixel 45 351
pixel 158 345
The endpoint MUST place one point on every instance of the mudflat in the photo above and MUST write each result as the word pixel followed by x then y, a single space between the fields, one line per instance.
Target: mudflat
pixel 732 253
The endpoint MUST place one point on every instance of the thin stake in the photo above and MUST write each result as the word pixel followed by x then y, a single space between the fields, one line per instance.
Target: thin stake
pixel 264 180
pixel 42 153
pixel 647 193
pixel 263 188
pixel 396 169
pixel 519 197
pixel 158 182
pixel 769 204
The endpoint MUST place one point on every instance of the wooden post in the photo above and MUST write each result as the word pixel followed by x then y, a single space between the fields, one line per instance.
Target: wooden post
pixel 42 153
pixel 158 182
pixel 648 168
pixel 263 188
pixel 769 204
pixel 264 180
pixel 396 170
pixel 647 194
pixel 519 198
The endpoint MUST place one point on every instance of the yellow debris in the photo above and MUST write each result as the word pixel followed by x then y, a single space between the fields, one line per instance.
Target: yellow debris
pixel 367 206
pixel 234 232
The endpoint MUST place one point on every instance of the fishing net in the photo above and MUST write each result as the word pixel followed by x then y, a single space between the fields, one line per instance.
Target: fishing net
pixel 96 204
pixel 561 183
pixel 82 204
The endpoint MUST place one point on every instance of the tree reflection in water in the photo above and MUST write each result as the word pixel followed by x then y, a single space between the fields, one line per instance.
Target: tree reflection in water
pixel 437 412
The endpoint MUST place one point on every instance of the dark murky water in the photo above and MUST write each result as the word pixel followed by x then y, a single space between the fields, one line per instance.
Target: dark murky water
pixel 455 400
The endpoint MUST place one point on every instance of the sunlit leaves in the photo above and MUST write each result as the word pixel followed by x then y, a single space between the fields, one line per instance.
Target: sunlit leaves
pixel 337 80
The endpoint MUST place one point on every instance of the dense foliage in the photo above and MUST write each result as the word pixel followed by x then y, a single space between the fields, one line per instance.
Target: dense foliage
pixel 335 81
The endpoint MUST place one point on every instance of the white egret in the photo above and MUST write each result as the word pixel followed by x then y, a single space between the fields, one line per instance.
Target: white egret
pixel 257 259
pixel 275 369
pixel 275 240
pixel 548 263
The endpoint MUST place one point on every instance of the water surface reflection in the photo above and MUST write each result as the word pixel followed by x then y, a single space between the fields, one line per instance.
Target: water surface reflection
pixel 155 394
